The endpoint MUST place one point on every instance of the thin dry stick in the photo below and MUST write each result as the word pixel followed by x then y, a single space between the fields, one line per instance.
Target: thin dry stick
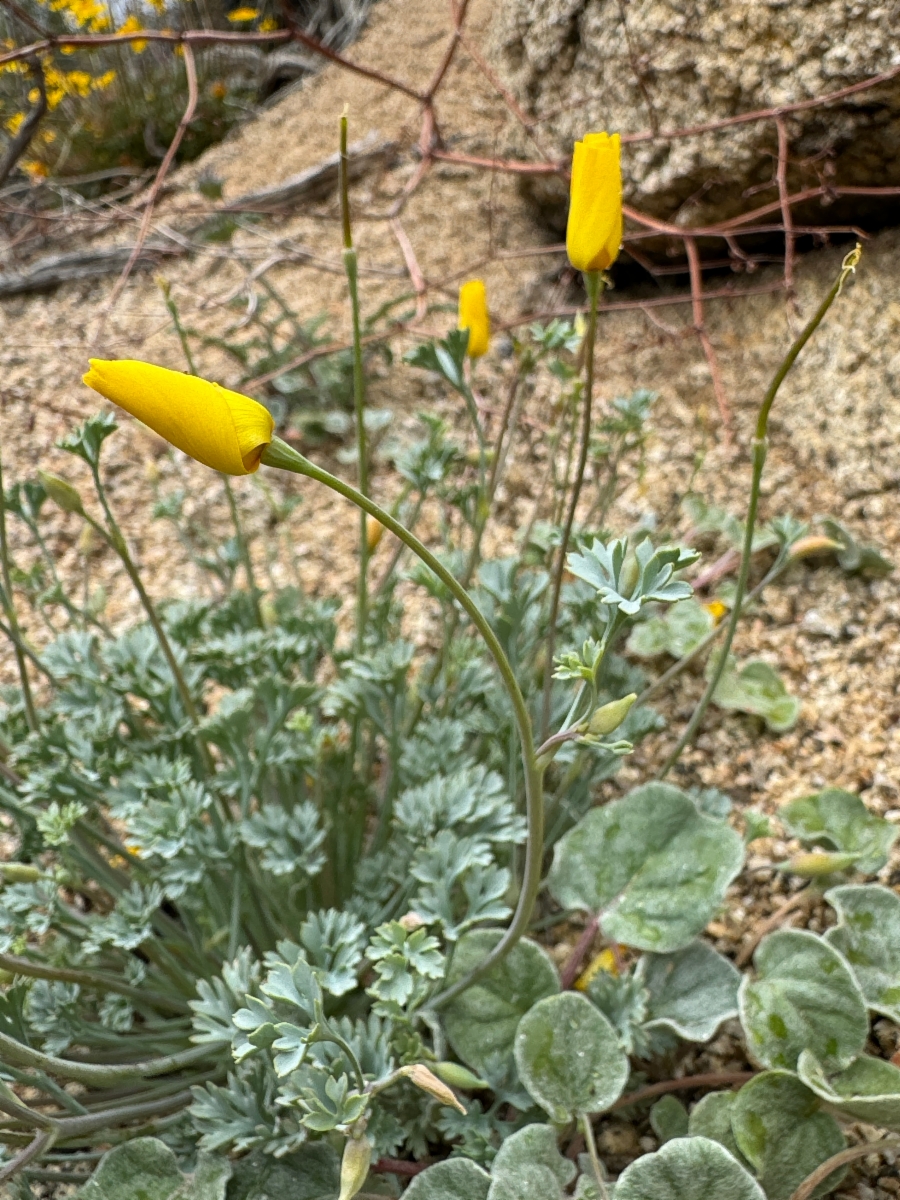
pixel 713 1079
pixel 693 255
pixel 19 143
pixel 787 216
pixel 776 919
pixel 188 116
pixel 412 266
pixel 458 8
pixel 820 1174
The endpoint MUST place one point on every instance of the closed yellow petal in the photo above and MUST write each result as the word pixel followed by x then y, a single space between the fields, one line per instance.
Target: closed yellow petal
pixel 594 230
pixel 474 316
pixel 219 428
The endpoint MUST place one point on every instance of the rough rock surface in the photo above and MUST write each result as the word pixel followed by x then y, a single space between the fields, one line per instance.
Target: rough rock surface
pixel 658 65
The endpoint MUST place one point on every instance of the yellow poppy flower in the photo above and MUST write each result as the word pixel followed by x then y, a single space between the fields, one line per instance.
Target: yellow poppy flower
pixel 219 428
pixel 244 13
pixel 594 231
pixel 474 316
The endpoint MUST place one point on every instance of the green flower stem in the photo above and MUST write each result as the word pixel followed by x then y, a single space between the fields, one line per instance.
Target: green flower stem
pixel 594 283
pixel 280 455
pixel 24 966
pixel 351 266
pixel 10 609
pixel 94 1075
pixel 760 447
pixel 584 1120
pixel 243 547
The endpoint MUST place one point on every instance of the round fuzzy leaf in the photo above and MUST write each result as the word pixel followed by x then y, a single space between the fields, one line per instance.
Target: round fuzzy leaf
pixel 711 1118
pixel 840 820
pixel 804 998
pixel 669 1119
pixel 651 864
pixel 691 1168
pixel 481 1023
pixel 454 1179
pixel 691 991
pixel 569 1058
pixel 142 1169
pixel 310 1173
pixel 868 935
pixel 783 1135
pixel 533 1146
pixel 869 1089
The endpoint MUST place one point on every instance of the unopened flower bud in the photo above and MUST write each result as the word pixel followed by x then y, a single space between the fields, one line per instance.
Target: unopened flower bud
pixel 459 1076
pixel 61 492
pixel 411 921
pixel 819 862
pixel 355 1166
pixel 806 547
pixel 427 1081
pixel 374 532
pixel 13 872
pixel 611 715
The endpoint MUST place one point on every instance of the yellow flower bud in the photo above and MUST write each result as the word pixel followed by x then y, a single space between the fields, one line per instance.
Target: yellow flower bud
pixel 605 961
pixel 611 715
pixel 716 610
pixel 354 1166
pixel 219 428
pixel 374 532
pixel 594 231
pixel 61 492
pixel 427 1081
pixel 814 543
pixel 474 316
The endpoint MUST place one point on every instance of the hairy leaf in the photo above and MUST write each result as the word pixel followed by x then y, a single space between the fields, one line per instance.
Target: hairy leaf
pixel 840 821
pixel 691 1168
pixel 868 935
pixel 691 991
pixel 869 1089
pixel 455 1179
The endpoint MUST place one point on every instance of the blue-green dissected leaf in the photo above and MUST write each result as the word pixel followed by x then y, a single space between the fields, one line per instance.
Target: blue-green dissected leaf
pixel 869 1089
pixel 455 1179
pixel 651 864
pixel 669 1119
pixel 691 991
pixel 481 1023
pixel 868 935
pixel 839 820
pixel 312 1173
pixel 804 998
pixel 529 1166
pixel 756 688
pixel 146 1169
pixel 683 627
pixel 711 1118
pixel 569 1058
pixel 782 1133
pixel 691 1168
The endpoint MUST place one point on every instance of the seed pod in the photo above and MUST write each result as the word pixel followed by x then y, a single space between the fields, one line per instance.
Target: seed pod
pixel 355 1166
pixel 61 492
pixel 459 1076
pixel 611 715
pixel 819 862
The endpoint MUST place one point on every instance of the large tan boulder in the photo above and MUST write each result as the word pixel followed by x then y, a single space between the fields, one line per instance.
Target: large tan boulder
pixel 636 65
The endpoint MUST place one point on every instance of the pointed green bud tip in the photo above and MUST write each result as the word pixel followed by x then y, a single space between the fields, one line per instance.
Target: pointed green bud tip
pixel 61 492
pixel 817 863
pixel 610 716
pixel 459 1076
pixel 355 1166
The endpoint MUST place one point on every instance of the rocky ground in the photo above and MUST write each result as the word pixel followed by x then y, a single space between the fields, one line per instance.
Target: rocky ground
pixel 835 431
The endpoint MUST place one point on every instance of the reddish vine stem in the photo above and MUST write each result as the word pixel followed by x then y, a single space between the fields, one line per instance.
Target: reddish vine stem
pixel 693 255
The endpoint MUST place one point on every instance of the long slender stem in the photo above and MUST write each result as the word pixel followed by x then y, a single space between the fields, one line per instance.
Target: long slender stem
pixel 759 449
pixel 587 1129
pixel 351 267
pixel 94 1075
pixel 279 454
pixel 243 546
pixel 593 282
pixel 10 607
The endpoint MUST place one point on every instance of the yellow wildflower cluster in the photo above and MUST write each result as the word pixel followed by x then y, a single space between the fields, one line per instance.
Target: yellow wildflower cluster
pixel 132 25
pixel 87 14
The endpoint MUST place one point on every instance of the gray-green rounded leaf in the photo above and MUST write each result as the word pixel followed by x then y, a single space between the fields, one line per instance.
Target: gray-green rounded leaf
pixel 146 1169
pixel 669 1119
pixel 868 935
pixel 569 1058
pixel 651 864
pixel 839 820
pixel 535 1145
pixel 869 1089
pixel 481 1023
pixel 691 1168
pixel 804 998
pixel 691 991
pixel 782 1133
pixel 455 1179
pixel 711 1118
